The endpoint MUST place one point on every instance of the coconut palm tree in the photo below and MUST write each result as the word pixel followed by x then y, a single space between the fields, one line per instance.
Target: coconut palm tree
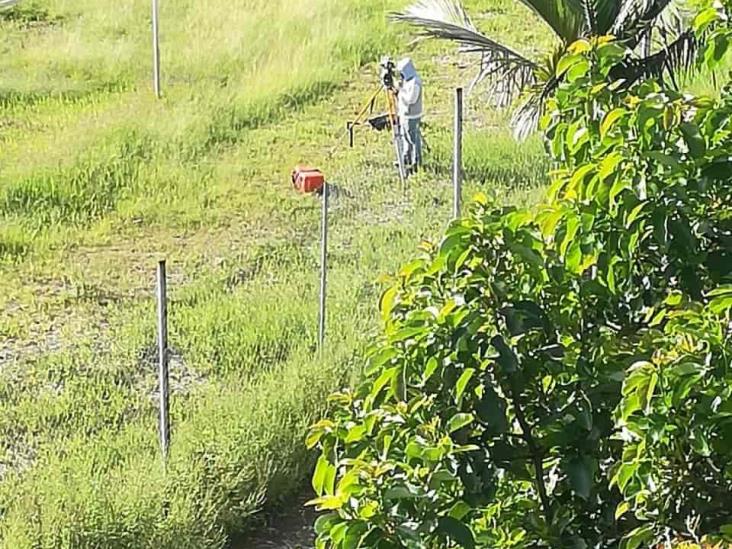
pixel 657 31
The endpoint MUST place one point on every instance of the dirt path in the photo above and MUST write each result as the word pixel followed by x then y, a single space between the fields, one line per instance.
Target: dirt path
pixel 291 529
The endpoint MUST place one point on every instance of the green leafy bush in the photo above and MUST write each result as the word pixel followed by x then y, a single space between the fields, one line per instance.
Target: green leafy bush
pixel 561 376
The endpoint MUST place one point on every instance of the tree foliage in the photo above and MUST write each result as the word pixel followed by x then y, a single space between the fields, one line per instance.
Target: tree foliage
pixel 656 33
pixel 559 377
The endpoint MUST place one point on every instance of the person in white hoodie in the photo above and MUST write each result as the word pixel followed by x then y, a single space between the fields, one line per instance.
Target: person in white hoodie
pixel 410 114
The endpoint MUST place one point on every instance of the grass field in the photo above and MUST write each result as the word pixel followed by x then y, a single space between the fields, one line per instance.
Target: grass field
pixel 98 180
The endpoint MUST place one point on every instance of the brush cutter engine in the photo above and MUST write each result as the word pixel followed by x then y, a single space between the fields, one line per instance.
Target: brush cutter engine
pixel 307 179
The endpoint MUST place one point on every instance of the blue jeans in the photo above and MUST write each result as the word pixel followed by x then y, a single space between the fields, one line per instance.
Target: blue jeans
pixel 412 143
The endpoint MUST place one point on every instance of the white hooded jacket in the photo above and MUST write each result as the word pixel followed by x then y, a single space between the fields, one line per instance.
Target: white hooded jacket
pixel 410 93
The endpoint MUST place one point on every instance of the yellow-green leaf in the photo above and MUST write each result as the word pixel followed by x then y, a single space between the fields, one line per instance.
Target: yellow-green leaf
pixel 621 509
pixel 610 119
pixel 462 383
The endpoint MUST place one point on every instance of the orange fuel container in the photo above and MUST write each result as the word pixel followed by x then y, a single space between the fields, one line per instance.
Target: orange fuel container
pixel 307 179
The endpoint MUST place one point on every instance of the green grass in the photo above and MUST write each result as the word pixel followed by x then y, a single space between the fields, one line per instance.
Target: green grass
pixel 98 181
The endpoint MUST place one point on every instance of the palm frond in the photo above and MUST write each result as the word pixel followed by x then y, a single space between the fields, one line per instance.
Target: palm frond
pixel 590 11
pixel 635 15
pixel 677 57
pixel 605 13
pixel 525 119
pixel 565 17
pixel 507 71
pixel 674 20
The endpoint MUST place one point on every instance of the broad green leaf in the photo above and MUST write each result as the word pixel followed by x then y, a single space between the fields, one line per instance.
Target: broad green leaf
pixel 414 449
pixel 573 258
pixel 597 88
pixel 633 215
pixel 355 434
pixel 320 476
pixel 610 52
pixel 579 46
pixel 429 369
pixel 585 417
pixel 718 170
pixel 638 537
pixel 528 255
pixel 338 531
pixel 458 421
pixel 463 258
pixel 621 509
pixel 674 299
pixel 377 361
pixel 569 61
pixel 452 243
pixel 388 299
pixel 548 221
pixel 658 319
pixel 721 304
pixel 408 270
pixel 665 159
pixel 705 18
pixel 578 137
pixel 578 178
pixel 623 475
pixel 438 478
pixel 573 225
pixel 699 442
pixel 716 50
pixel 650 391
pixel 313 438
pixel 578 70
pixel 610 120
pixel 609 164
pixel 580 472
pixel 386 445
pixel 618 187
pixel 693 138
pixel 383 380
pixel 611 282
pixel 328 503
pixel 355 532
pixel 324 523
pixel 407 333
pixel 457 531
pixel 507 359
pixel 433 453
pixel 491 410
pixel 639 373
pixel 722 290
pixel 460 510
pixel 639 388
pixel 517 219
pixel 462 383
pixel 686 369
pixel 369 510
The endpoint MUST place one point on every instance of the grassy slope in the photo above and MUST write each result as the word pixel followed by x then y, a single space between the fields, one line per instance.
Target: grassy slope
pixel 98 180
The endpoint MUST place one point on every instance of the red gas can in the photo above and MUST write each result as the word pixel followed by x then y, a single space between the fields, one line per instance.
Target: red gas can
pixel 307 179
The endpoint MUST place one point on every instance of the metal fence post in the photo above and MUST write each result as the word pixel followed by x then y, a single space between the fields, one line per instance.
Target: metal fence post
pixel 457 168
pixel 156 48
pixel 163 373
pixel 323 266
